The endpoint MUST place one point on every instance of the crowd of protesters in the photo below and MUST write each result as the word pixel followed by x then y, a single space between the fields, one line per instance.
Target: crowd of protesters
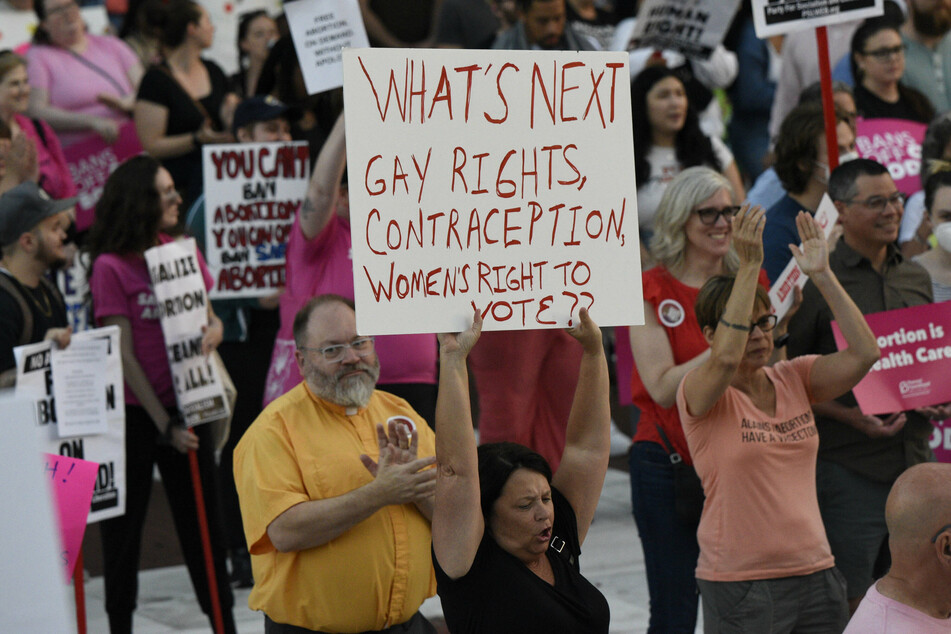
pixel 759 488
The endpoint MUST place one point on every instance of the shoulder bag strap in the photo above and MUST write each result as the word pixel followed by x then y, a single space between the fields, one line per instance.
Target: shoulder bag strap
pixel 674 456
pixel 99 70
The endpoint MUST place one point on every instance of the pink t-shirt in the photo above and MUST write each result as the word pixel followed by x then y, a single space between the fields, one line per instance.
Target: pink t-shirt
pixel 878 614
pixel 120 286
pixel 55 177
pixel 324 264
pixel 761 517
pixel 74 85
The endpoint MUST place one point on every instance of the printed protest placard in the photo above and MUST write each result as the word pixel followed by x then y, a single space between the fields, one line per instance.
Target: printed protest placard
pixel 32 594
pixel 495 180
pixel 896 144
pixel 781 294
pixel 775 17
pixel 80 382
pixel 71 481
pixel 941 440
pixel 252 192
pixel 179 288
pixel 916 359
pixel 321 29
pixel 72 283
pixel 35 383
pixel 91 161
pixel 693 27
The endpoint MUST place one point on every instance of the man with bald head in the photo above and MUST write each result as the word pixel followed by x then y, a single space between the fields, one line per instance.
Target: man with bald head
pixel 915 595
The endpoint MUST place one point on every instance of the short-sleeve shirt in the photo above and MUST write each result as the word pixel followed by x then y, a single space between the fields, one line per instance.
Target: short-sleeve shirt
pixel 901 284
pixel 120 286
pixel 761 516
pixel 878 614
pixel 303 448
pixel 500 594
pixel 74 81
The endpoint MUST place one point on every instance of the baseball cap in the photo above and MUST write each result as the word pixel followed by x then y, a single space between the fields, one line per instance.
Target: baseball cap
pixel 24 207
pixel 258 108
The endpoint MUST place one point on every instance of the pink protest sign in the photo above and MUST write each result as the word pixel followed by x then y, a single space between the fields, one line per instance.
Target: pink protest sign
pixel 72 481
pixel 941 440
pixel 92 161
pixel 896 144
pixel 915 367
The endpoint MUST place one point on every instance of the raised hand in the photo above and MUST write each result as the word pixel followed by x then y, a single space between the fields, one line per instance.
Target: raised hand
pixel 587 333
pixel 461 343
pixel 399 475
pixel 813 258
pixel 748 234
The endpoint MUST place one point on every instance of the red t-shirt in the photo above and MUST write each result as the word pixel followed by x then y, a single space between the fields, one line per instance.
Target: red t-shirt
pixel 673 303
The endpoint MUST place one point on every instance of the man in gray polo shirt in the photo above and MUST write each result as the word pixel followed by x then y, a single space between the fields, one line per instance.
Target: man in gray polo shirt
pixel 928 50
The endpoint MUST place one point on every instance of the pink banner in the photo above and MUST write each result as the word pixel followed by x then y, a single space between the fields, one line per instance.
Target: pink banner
pixel 92 161
pixel 72 481
pixel 941 440
pixel 915 367
pixel 896 144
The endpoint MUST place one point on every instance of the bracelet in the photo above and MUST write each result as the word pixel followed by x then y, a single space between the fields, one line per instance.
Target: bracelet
pixel 195 139
pixel 736 326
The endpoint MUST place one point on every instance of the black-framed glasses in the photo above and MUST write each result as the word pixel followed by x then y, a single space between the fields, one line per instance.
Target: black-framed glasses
pixel 362 346
pixel 878 203
pixel 886 53
pixel 764 323
pixel 710 215
pixel 940 530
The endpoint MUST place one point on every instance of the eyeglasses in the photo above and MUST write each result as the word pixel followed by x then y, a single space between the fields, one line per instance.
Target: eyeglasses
pixel 363 346
pixel 62 9
pixel 878 203
pixel 710 215
pixel 883 54
pixel 765 323
pixel 938 534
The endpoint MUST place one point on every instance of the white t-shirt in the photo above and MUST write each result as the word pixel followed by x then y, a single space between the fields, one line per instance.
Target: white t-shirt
pixel 664 166
pixel 878 614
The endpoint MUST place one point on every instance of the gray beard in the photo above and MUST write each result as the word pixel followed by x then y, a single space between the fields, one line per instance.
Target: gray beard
pixel 354 391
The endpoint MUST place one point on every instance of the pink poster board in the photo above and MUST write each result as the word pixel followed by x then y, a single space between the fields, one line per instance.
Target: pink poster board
pixel 72 481
pixel 896 144
pixel 91 162
pixel 941 440
pixel 915 367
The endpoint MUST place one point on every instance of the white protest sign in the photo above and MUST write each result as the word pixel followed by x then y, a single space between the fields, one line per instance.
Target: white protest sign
pixel 35 382
pixel 781 293
pixel 72 283
pixel 498 180
pixel 321 29
pixel 33 597
pixel 776 17
pixel 80 382
pixel 179 288
pixel 252 192
pixel 692 27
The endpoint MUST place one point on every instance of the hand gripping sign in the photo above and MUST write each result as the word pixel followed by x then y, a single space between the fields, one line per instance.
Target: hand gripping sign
pixel 496 180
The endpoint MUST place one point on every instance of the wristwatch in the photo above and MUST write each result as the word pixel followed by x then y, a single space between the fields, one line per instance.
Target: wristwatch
pixel 781 340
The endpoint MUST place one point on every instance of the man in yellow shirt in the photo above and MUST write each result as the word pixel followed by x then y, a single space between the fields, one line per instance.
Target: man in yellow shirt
pixel 337 495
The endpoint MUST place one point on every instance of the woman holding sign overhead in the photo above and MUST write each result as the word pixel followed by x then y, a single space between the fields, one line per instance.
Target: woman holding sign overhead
pixel 139 203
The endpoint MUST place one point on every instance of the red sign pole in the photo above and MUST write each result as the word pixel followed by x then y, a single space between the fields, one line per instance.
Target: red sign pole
pixel 828 104
pixel 79 592
pixel 206 544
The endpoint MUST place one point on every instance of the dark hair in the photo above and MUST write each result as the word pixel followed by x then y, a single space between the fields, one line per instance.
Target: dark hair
pixel 813 92
pixel 279 72
pixel 497 462
pixel 713 296
pixel 915 100
pixel 842 180
pixel 935 182
pixel 244 24
pixel 937 138
pixel 692 146
pixel 303 315
pixel 174 20
pixel 144 17
pixel 798 141
pixel 129 211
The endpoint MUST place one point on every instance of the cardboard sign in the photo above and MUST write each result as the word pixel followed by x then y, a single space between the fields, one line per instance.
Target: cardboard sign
pixel 35 383
pixel 775 17
pixel 252 193
pixel 92 161
pixel 692 27
pixel 179 288
pixel 896 144
pixel 32 593
pixel 72 482
pixel 915 366
pixel 80 382
pixel 321 29
pixel 501 181
pixel 781 294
